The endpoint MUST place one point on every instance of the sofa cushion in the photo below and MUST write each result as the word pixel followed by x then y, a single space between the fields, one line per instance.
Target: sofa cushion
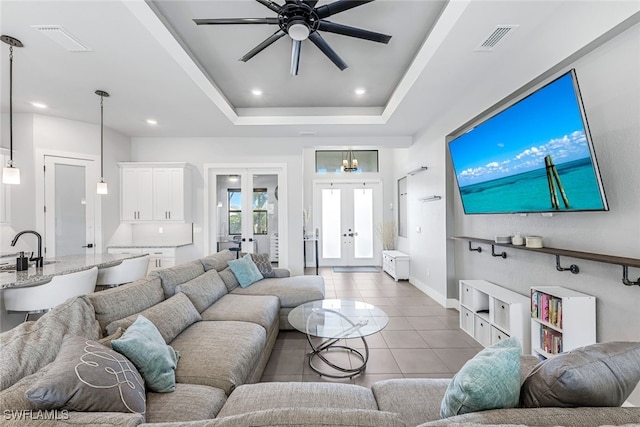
pixel 300 417
pixel 171 317
pixel 174 276
pixel 292 291
pixel 263 262
pixel 602 374
pixel 260 309
pixel 106 341
pixel 229 279
pixel 551 417
pixel 87 376
pixel 273 395
pixel 218 261
pixel 219 354
pixel 245 270
pixel 146 348
pixel 125 300
pixel 416 400
pixel 490 380
pixel 32 345
pixel 187 403
pixel 204 290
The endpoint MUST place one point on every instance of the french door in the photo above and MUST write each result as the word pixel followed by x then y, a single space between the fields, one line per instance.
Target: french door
pixel 244 210
pixel 345 215
pixel 70 206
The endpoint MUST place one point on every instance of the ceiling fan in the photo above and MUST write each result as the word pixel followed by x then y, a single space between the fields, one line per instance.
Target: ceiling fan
pixel 301 20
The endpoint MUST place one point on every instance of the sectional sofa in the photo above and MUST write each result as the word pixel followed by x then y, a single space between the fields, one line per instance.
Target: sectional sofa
pixel 224 335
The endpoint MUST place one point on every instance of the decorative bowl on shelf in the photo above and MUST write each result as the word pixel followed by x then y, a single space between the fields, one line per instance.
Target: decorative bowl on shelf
pixel 534 241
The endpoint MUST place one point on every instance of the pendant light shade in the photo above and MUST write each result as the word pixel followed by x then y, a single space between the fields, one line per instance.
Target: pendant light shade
pixel 11 174
pixel 102 187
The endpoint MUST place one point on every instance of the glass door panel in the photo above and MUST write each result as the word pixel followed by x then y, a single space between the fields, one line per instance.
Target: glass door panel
pixel 363 223
pixel 246 215
pixel 331 224
pixel 347 213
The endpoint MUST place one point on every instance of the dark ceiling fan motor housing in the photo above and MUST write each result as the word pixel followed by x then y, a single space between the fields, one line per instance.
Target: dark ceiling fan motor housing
pixel 300 19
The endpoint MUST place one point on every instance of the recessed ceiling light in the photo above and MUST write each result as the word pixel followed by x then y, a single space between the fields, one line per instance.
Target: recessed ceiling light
pixel 39 105
pixel 256 92
pixel 152 122
pixel 360 91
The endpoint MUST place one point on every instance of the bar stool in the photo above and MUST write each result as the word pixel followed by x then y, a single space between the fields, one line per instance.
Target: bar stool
pixel 41 298
pixel 127 271
pixel 237 240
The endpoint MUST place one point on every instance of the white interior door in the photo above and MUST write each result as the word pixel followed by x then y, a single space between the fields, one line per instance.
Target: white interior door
pixel 246 213
pixel 345 215
pixel 70 204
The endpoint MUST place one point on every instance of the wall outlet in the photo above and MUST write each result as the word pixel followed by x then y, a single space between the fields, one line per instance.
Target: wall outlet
pixel 160 230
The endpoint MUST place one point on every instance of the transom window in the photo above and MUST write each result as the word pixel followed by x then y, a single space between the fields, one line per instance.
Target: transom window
pixel 330 161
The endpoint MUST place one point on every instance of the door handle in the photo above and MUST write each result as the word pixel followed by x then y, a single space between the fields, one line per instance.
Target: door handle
pixel 88 245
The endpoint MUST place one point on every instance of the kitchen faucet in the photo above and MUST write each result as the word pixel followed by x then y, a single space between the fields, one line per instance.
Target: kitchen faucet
pixel 38 259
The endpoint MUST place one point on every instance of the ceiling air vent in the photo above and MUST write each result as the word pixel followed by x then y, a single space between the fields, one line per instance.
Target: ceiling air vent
pixel 500 32
pixel 61 36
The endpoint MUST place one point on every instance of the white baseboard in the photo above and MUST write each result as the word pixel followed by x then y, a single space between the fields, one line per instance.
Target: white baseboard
pixel 429 291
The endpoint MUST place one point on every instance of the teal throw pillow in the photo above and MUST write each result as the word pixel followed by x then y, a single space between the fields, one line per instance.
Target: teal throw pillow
pixel 143 344
pixel 245 270
pixel 491 380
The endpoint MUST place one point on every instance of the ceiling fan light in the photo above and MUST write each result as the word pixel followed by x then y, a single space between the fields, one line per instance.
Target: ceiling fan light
pixel 298 29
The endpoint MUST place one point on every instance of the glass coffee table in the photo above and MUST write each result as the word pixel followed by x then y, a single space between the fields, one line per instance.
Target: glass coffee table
pixel 336 320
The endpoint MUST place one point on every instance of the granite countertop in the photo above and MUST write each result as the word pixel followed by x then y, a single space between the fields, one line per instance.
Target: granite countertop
pixel 57 266
pixel 150 246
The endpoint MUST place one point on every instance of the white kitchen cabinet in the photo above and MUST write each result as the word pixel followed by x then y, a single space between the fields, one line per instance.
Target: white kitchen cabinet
pixel 136 202
pixel 171 201
pixel 491 313
pixel 159 256
pixel 155 192
pixel 396 263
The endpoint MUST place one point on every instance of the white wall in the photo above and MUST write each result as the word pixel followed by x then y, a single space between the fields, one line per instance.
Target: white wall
pixel 608 78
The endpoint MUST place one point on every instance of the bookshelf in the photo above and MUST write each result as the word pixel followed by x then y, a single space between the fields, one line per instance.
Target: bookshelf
pixel 491 313
pixel 561 320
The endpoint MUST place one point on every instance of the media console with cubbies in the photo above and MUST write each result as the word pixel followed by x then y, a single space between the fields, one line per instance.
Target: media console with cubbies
pixel 561 320
pixel 491 313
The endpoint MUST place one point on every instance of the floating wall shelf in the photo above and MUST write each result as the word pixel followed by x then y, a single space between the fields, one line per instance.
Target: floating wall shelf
pixel 608 259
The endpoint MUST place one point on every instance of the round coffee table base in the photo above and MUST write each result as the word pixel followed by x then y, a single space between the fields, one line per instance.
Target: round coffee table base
pixel 330 344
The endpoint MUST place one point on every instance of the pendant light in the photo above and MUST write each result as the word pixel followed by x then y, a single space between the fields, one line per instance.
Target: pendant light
pixel 102 186
pixel 350 164
pixel 11 174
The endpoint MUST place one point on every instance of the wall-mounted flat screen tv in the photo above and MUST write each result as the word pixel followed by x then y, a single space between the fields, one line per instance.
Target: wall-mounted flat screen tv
pixel 534 156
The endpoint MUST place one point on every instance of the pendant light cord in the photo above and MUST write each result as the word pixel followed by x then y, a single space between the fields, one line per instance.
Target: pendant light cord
pixel 101 140
pixel 11 105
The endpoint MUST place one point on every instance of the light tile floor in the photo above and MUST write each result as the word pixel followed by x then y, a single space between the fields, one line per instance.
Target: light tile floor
pixel 422 339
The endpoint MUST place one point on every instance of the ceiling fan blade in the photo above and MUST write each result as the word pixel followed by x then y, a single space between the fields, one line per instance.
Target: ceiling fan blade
pixel 346 30
pixel 338 6
pixel 233 21
pixel 266 43
pixel 326 49
pixel 271 5
pixel 295 56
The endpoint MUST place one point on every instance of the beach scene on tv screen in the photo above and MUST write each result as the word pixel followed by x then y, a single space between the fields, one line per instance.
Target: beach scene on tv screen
pixel 532 157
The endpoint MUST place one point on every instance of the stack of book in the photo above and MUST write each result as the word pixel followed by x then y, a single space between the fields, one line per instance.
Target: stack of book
pixel 546 308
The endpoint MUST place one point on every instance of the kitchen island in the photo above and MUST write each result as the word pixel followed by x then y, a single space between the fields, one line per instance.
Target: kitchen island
pixel 10 278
